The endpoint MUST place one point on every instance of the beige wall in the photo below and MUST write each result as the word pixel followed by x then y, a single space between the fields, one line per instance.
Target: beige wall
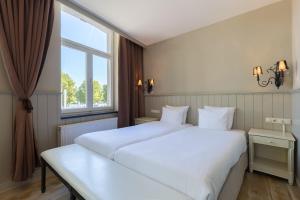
pixel 219 58
pixel 296 41
pixel 296 60
pixel 50 77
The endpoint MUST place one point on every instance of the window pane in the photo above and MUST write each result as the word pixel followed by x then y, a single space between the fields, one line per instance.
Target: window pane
pixel 100 82
pixel 75 29
pixel 73 78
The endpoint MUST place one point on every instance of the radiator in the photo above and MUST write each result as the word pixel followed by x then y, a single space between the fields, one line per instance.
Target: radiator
pixel 67 133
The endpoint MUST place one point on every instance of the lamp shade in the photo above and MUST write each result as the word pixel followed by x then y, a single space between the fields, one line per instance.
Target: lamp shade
pixel 140 83
pixel 282 65
pixel 257 71
pixel 151 82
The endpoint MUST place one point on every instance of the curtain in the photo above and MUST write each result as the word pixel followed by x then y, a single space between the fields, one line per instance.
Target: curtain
pixel 25 30
pixel 131 97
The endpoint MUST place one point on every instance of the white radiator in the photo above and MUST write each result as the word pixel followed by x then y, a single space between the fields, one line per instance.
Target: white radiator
pixel 67 133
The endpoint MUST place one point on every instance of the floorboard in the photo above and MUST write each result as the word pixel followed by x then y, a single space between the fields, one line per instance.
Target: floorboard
pixel 255 187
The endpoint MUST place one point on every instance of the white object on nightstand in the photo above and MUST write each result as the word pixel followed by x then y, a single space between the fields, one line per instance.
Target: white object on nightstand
pixel 282 121
pixel 142 120
pixel 272 139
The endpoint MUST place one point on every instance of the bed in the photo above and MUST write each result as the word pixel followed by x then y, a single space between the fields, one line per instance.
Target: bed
pixel 171 162
pixel 194 161
pixel 108 142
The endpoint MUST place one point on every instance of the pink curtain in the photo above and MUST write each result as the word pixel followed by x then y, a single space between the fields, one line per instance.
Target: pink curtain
pixel 131 98
pixel 25 30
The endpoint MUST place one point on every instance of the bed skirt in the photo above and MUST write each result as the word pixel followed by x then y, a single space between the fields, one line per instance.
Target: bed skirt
pixel 235 178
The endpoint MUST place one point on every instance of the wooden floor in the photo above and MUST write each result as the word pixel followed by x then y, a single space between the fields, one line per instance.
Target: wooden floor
pixel 255 187
pixel 31 191
pixel 264 187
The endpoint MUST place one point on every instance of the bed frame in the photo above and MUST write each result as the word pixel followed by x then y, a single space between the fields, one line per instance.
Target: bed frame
pixel 73 193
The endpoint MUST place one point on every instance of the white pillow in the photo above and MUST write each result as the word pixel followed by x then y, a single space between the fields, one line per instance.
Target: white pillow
pixel 230 114
pixel 173 116
pixel 183 108
pixel 213 119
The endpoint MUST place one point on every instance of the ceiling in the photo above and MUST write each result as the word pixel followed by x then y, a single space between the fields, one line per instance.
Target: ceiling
pixel 151 21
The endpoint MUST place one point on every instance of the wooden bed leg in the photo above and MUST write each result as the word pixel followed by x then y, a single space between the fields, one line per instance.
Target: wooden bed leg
pixel 43 176
pixel 72 196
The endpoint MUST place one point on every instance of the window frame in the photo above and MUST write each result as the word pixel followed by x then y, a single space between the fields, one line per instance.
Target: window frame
pixel 90 52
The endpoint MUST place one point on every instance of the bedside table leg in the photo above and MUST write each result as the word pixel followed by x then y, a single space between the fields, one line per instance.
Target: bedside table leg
pixel 251 169
pixel 291 179
pixel 251 146
pixel 291 164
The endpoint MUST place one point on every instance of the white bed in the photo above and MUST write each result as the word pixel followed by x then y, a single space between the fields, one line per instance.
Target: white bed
pixel 108 142
pixel 193 161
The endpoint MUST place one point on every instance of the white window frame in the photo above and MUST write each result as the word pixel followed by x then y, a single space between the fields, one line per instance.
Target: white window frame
pixel 89 52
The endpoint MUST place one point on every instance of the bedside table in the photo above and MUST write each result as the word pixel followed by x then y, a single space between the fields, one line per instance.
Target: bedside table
pixel 277 156
pixel 142 120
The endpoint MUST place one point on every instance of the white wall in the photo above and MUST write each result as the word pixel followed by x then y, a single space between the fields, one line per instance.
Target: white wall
pixel 220 57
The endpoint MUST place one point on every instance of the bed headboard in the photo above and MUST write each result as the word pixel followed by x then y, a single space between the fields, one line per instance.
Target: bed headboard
pixel 251 108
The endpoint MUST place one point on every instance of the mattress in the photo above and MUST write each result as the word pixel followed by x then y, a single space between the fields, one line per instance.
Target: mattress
pixel 193 161
pixel 95 177
pixel 108 142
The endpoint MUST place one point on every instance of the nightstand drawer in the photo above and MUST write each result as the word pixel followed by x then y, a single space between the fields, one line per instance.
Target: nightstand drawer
pixel 271 141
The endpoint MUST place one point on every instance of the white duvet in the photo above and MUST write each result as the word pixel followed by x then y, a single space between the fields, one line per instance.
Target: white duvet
pixel 108 142
pixel 193 161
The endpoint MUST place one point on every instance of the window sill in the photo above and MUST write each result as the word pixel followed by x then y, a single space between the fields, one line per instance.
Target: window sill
pixel 85 114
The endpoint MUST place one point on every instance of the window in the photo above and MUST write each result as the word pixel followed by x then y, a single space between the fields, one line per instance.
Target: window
pixel 86 64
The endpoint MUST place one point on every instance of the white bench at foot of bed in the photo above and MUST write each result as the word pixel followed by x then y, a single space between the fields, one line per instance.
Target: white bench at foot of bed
pixel 93 177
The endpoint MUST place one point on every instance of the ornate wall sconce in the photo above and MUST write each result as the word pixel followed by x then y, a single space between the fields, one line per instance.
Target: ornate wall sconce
pixel 278 70
pixel 148 85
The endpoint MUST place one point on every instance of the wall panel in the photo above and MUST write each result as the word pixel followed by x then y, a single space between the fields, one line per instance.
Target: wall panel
pixel 257 111
pixel 267 110
pixel 6 119
pixel 251 108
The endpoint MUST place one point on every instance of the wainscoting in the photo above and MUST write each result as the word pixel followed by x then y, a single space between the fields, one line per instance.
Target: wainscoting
pixel 46 118
pixel 251 108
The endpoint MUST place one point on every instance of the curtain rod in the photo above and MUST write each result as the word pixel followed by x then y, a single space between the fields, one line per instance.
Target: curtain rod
pixel 74 5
